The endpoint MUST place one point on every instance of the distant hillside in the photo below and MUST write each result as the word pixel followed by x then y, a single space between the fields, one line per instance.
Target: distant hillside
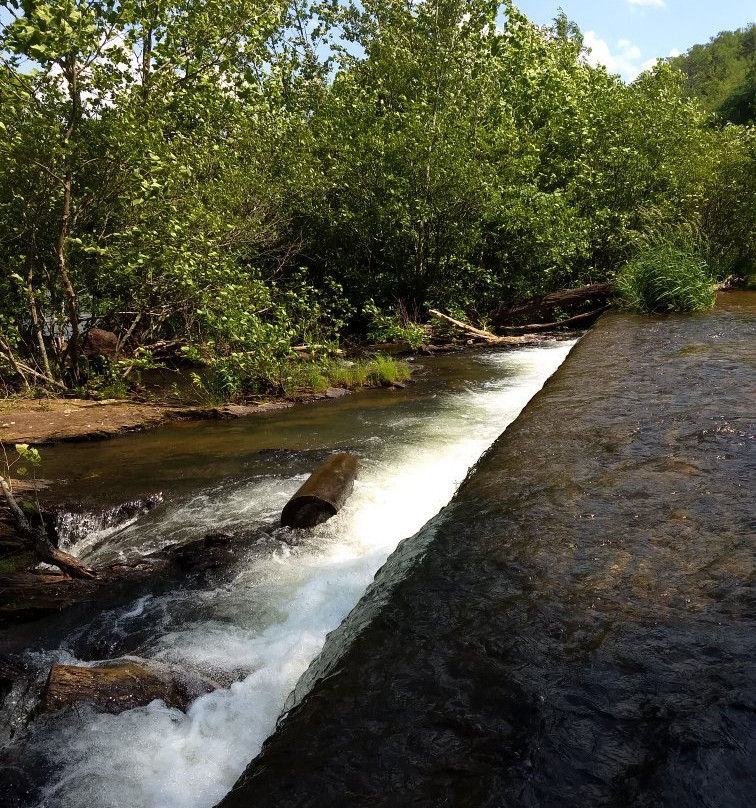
pixel 722 74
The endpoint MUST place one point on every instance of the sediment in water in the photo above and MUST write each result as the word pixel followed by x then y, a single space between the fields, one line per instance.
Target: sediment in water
pixel 578 627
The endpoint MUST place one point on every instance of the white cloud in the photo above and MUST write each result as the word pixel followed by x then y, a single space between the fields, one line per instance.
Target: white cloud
pixel 654 3
pixel 625 61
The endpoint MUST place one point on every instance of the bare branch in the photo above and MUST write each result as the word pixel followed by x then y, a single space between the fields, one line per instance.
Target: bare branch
pixel 39 542
pixel 50 172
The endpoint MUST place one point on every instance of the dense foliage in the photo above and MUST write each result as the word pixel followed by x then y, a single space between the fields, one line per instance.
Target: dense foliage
pixel 666 277
pixel 238 177
pixel 722 74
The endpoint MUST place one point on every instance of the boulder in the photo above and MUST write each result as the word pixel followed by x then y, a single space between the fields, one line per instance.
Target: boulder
pixel 98 342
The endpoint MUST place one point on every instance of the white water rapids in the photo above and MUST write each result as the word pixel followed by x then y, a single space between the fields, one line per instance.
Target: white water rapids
pixel 264 626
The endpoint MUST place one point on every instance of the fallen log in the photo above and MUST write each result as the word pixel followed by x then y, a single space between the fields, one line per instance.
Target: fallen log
pixel 563 298
pixel 46 592
pixel 578 320
pixel 479 334
pixel 30 594
pixel 122 685
pixel 323 494
pixel 38 542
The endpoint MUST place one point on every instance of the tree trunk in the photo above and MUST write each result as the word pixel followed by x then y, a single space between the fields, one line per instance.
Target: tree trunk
pixel 72 304
pixel 36 322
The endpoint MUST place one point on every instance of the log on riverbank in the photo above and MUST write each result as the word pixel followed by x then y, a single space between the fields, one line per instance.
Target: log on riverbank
pixel 122 685
pixel 596 293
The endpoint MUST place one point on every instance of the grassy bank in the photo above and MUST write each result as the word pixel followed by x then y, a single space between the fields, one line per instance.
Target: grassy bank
pixel 238 378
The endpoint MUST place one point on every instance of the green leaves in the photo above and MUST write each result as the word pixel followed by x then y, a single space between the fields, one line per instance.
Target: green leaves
pixel 244 176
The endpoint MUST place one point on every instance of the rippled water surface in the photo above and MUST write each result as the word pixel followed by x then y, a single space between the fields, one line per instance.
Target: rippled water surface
pixel 254 625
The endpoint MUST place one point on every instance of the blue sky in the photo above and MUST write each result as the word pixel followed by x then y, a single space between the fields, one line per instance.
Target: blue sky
pixel 628 35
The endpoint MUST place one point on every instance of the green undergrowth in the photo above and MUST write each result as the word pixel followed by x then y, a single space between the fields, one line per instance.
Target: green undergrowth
pixel 240 377
pixel 666 276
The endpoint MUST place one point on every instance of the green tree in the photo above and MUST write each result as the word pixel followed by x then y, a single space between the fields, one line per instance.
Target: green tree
pixel 113 116
pixel 722 74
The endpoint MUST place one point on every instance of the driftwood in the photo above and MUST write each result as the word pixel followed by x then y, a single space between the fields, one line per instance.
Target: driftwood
pixel 122 685
pixel 479 334
pixel 323 494
pixel 21 368
pixel 564 299
pixel 578 319
pixel 37 541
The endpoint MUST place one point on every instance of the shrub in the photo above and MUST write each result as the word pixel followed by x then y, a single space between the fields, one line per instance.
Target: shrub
pixel 394 327
pixel 241 376
pixel 666 277
pixel 383 370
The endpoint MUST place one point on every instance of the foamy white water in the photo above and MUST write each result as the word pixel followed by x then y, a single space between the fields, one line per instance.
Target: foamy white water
pixel 265 626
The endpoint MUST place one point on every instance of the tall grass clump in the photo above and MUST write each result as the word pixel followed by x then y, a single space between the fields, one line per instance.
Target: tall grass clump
pixel 666 276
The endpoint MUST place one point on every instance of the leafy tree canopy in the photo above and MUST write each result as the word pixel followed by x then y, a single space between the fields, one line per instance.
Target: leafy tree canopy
pixel 722 74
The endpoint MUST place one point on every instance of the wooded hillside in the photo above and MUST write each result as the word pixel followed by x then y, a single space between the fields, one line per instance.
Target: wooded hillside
pixel 722 74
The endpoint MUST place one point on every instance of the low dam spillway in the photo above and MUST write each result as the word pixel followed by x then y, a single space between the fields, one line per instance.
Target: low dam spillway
pixel 578 627
pixel 253 625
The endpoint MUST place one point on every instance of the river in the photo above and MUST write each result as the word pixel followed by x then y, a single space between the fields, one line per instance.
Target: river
pixel 577 629
pixel 255 625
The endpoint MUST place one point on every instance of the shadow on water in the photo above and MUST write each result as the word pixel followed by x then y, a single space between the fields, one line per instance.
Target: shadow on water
pixel 578 628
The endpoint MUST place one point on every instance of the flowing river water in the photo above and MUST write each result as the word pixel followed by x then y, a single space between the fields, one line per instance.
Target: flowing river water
pixel 255 625
pixel 577 629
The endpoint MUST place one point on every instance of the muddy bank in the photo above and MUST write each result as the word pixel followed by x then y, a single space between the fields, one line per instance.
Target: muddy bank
pixel 52 420
pixel 577 628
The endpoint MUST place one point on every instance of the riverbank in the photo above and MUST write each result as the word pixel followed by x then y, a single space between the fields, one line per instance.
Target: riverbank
pixel 54 420
pixel 45 421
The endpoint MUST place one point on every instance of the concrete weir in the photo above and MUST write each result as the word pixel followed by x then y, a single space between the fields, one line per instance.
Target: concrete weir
pixel 578 626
